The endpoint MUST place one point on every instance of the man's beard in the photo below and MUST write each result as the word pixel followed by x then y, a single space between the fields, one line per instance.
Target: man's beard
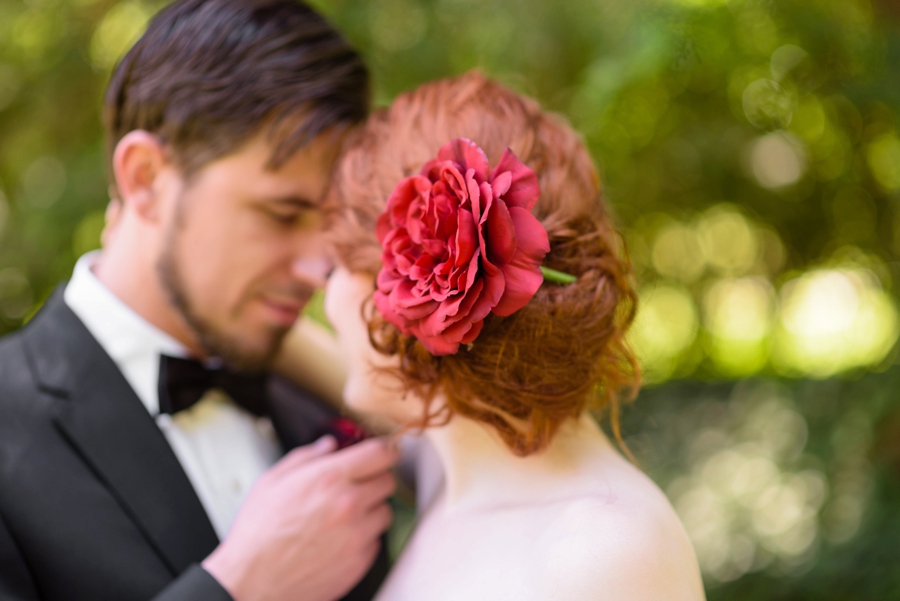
pixel 214 341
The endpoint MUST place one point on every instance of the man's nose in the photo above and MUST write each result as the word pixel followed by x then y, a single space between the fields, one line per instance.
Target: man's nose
pixel 313 271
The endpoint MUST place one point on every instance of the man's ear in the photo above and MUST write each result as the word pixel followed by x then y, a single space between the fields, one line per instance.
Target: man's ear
pixel 138 161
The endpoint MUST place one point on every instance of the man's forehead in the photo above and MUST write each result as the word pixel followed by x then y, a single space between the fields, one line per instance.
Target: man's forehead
pixel 296 137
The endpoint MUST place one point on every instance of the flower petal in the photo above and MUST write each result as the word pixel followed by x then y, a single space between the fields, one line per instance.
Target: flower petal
pixel 523 273
pixel 383 304
pixel 466 237
pixel 436 345
pixel 406 192
pixel 435 248
pixel 450 312
pixel 464 331
pixel 501 234
pixel 475 200
pixel 524 189
pixel 501 183
pixel 407 302
pixel 473 333
pixel 383 227
pixel 466 153
pixel 454 180
pixel 494 284
pixel 532 239
pixel 414 213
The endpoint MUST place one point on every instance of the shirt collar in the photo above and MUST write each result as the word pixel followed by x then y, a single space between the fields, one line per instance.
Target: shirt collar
pixel 133 343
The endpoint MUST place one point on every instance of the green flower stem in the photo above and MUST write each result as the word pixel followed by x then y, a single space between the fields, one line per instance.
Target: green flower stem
pixel 558 276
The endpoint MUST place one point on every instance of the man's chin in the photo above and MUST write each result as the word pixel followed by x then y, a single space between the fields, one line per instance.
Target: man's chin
pixel 242 353
pixel 258 357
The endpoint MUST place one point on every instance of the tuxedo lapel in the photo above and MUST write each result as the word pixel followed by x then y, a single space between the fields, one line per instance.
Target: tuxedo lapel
pixel 298 417
pixel 111 430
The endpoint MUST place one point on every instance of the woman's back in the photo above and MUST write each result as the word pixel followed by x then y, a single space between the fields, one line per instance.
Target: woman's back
pixel 576 522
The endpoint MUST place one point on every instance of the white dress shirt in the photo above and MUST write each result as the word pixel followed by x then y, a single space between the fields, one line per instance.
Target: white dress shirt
pixel 222 448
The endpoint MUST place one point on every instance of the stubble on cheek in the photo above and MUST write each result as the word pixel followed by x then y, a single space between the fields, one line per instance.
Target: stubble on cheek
pixel 236 339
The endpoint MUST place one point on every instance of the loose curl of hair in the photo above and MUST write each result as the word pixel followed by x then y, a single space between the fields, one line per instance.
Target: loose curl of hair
pixel 565 351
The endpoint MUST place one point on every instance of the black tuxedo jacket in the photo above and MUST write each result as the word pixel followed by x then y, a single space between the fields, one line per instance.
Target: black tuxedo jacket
pixel 94 505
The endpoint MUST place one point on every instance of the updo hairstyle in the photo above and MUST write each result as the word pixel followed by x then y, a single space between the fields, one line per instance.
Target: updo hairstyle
pixel 565 351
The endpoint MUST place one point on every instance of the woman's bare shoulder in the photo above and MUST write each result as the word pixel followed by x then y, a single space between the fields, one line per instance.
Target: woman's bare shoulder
pixel 629 543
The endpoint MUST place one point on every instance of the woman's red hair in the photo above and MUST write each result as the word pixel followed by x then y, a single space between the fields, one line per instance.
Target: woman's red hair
pixel 565 351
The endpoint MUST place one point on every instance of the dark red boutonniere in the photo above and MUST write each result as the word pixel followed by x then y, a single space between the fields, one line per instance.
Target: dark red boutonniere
pixel 346 431
pixel 459 243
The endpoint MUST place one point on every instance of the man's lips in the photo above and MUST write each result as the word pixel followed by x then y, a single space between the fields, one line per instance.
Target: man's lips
pixel 285 311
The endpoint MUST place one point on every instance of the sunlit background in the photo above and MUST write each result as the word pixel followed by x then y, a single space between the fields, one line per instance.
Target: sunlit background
pixel 750 150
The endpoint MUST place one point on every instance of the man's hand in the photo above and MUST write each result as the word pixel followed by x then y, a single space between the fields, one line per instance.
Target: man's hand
pixel 310 527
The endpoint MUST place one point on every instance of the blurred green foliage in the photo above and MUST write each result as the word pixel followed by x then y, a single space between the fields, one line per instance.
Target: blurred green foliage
pixel 751 151
pixel 789 489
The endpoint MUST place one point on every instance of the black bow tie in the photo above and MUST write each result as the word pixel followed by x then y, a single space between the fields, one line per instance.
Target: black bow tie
pixel 182 382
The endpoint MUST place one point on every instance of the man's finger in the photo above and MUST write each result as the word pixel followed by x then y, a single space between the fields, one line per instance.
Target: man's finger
pixel 376 490
pixel 302 455
pixel 377 521
pixel 365 558
pixel 364 460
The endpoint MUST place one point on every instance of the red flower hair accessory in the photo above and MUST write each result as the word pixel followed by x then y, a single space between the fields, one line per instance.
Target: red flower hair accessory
pixel 459 243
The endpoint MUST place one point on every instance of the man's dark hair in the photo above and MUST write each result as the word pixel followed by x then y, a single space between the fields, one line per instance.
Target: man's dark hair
pixel 208 75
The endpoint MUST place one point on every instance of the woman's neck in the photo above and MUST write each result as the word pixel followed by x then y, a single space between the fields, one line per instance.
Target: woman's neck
pixel 481 472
